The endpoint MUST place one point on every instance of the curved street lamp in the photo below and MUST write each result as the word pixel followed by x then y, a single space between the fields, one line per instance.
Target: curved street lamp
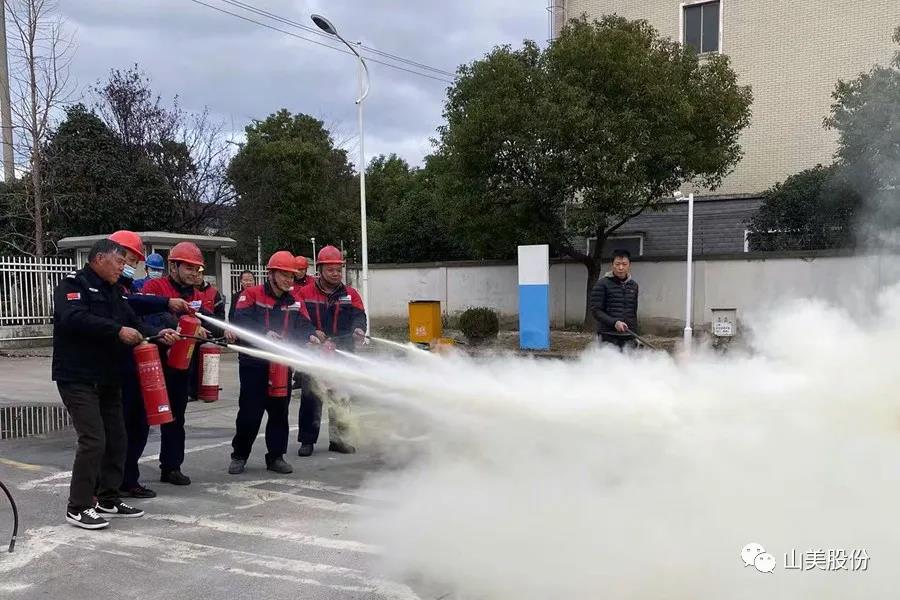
pixel 329 28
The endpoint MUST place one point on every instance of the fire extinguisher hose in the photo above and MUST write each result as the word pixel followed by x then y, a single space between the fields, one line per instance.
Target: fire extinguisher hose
pixel 15 511
pixel 217 341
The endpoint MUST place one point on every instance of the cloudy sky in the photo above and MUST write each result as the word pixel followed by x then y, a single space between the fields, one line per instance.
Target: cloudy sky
pixel 243 71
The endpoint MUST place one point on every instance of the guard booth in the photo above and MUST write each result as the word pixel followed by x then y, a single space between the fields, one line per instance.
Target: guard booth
pixel 161 242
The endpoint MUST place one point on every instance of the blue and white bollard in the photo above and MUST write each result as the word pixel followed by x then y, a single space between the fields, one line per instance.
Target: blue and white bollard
pixel 534 297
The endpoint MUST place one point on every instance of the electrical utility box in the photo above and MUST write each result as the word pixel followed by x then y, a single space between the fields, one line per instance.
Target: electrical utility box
pixel 724 322
pixel 425 324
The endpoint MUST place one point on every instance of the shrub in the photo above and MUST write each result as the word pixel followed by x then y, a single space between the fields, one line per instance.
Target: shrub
pixel 479 324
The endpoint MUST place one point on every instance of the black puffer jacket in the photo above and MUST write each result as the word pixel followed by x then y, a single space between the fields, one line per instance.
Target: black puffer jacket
pixel 614 299
pixel 87 316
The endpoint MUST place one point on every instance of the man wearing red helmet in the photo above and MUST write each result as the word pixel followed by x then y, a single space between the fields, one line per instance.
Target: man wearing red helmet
pixel 185 273
pixel 269 309
pixel 301 279
pixel 150 309
pixel 338 313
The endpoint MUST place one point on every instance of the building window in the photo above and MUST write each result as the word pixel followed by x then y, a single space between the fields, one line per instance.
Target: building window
pixel 633 242
pixel 701 25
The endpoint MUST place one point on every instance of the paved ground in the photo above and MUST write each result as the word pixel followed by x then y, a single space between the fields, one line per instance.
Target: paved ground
pixel 258 535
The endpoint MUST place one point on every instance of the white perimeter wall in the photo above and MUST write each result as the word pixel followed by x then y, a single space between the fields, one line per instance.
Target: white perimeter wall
pixel 747 284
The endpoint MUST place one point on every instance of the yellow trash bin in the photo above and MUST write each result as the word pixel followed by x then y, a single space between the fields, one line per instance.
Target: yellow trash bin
pixel 425 321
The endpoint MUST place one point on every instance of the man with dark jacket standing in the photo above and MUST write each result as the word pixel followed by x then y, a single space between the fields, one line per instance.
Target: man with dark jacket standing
pixel 614 302
pixel 93 325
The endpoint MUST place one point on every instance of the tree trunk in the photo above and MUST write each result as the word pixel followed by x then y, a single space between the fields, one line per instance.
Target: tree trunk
pixel 38 206
pixel 594 264
pixel 593 270
pixel 35 134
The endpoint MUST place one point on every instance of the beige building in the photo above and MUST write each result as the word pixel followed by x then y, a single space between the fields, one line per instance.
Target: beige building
pixel 792 52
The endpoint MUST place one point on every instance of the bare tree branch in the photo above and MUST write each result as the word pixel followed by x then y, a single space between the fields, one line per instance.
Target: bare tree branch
pixel 41 62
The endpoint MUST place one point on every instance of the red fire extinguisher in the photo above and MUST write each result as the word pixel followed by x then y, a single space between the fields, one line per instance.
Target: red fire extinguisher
pixel 180 353
pixel 208 372
pixel 153 384
pixel 278 380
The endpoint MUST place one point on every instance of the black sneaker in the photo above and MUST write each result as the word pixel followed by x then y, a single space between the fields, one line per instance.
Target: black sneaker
pixel 237 466
pixel 305 450
pixel 175 478
pixel 118 509
pixel 280 466
pixel 341 448
pixel 137 491
pixel 86 519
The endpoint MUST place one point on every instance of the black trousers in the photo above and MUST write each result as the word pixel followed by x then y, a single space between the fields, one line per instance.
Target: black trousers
pixel 171 435
pixel 620 341
pixel 96 411
pixel 253 402
pixel 136 427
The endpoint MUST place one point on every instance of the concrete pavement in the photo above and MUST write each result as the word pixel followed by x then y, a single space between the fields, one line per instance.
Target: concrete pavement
pixel 256 535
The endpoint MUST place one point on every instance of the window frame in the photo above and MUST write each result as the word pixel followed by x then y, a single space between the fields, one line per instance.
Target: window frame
pixel 690 3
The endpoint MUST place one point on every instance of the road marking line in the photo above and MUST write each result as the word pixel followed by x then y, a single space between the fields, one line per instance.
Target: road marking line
pixel 251 490
pixel 38 542
pixel 20 465
pixel 30 485
pixel 267 532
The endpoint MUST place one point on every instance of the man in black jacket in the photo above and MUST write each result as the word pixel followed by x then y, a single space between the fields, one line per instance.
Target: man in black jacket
pixel 614 302
pixel 93 326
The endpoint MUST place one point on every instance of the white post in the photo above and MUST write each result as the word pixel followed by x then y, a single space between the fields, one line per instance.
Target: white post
pixel 313 240
pixel 258 251
pixel 689 284
pixel 362 197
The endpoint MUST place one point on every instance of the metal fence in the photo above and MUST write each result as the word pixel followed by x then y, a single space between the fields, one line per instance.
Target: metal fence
pixel 26 288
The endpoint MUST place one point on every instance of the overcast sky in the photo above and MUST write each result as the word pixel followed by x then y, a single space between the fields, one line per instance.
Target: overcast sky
pixel 242 71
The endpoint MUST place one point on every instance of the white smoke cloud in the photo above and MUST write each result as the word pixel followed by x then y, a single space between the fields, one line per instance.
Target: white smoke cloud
pixel 644 476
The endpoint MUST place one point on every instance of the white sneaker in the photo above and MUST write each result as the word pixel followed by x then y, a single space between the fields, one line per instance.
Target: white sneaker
pixel 86 519
pixel 118 509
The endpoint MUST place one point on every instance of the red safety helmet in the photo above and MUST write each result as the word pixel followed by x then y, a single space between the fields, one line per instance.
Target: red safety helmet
pixel 130 241
pixel 329 255
pixel 300 262
pixel 186 252
pixel 282 261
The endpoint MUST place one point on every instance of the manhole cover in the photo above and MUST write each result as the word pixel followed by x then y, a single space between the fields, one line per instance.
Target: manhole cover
pixel 19 421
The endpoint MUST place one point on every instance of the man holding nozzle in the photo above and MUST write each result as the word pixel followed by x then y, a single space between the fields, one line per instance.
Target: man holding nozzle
pixel 339 316
pixel 150 309
pixel 614 303
pixel 93 325
pixel 185 273
pixel 271 310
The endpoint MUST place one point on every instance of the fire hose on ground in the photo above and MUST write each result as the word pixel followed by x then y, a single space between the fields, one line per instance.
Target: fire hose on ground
pixel 15 511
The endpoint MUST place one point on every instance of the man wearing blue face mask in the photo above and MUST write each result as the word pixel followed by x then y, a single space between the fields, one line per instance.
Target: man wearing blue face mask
pixel 155 265
pixel 146 307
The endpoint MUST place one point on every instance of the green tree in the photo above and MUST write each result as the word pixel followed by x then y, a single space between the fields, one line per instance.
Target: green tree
pixel 866 115
pixel 407 220
pixel 857 199
pixel 292 183
pixel 548 146
pixel 189 150
pixel 96 184
pixel 812 210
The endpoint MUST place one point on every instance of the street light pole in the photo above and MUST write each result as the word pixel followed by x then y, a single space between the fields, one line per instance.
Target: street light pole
pixel 689 283
pixel 326 26
pixel 313 240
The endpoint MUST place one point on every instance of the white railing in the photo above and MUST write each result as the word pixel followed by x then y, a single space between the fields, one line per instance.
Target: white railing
pixel 26 288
